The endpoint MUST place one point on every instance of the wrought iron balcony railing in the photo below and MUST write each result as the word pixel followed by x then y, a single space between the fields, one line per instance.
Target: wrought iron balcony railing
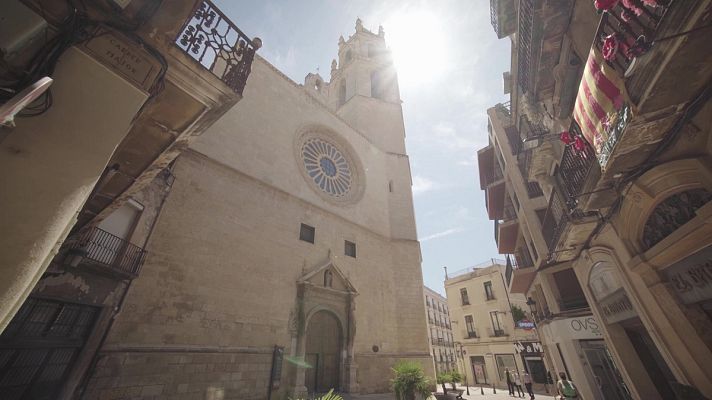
pixel 534 189
pixel 211 39
pixel 632 32
pixel 555 221
pixel 573 304
pixel 98 247
pixel 496 332
pixel 524 48
pixel 471 334
pixel 523 258
pixel 574 169
pixel 515 141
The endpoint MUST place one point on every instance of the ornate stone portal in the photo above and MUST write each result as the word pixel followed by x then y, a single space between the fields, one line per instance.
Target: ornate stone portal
pixel 323 290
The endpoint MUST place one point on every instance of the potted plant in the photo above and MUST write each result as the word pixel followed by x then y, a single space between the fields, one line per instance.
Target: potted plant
pixel 410 380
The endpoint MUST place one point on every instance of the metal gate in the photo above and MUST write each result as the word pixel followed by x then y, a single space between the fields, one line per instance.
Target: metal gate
pixel 39 346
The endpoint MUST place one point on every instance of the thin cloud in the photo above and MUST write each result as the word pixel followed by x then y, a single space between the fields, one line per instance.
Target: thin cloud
pixel 444 233
pixel 422 185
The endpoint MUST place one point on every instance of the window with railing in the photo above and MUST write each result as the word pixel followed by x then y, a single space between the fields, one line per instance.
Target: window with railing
pixel 470 325
pixel 515 141
pixel 555 220
pixel 489 292
pixel 463 296
pixel 534 189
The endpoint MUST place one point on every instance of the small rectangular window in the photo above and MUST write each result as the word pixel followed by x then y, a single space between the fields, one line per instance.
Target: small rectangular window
pixel 307 233
pixel 463 296
pixel 489 293
pixel 350 248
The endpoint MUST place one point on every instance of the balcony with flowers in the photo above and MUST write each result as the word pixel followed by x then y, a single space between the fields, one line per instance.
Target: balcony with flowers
pixel 647 72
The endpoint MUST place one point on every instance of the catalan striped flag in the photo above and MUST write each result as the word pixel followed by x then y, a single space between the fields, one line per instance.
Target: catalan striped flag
pixel 601 96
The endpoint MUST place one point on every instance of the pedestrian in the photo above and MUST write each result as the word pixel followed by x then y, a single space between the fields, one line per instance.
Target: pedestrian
pixel 518 384
pixel 566 388
pixel 510 384
pixel 528 385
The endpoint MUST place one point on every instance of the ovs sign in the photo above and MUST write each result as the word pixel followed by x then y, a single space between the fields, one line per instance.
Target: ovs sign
pixel 584 326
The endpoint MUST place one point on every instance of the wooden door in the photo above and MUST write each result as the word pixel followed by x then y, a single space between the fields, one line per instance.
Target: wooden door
pixel 323 353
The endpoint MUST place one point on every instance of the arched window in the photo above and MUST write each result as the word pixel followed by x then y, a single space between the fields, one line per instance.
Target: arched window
pixel 672 213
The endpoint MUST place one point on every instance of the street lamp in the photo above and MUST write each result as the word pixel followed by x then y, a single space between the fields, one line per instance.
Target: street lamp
pixel 461 354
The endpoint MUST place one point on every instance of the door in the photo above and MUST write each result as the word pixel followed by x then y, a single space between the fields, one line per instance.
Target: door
pixel 323 353
pixel 39 347
pixel 605 372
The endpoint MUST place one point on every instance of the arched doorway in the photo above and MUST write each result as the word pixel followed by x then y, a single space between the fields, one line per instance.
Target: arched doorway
pixel 323 350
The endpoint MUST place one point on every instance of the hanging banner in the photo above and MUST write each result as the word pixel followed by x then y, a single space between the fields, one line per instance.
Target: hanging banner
pixel 602 107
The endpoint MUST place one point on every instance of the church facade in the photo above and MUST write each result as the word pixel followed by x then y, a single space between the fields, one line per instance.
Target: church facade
pixel 285 259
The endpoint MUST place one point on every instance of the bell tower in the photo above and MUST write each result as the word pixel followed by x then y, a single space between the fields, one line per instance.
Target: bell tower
pixel 364 89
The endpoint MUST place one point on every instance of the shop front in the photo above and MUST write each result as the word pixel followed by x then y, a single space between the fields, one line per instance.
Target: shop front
pixel 577 348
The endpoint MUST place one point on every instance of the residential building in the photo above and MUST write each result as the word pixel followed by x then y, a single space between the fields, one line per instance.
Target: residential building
pixel 282 261
pixel 87 167
pixel 611 248
pixel 482 312
pixel 442 343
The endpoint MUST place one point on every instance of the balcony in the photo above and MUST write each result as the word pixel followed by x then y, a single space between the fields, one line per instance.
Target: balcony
pixel 105 252
pixel 573 304
pixel 661 63
pixel 217 44
pixel 565 229
pixel 534 189
pixel 497 332
pixel 503 14
pixel 471 334
pixel 524 49
pixel 574 169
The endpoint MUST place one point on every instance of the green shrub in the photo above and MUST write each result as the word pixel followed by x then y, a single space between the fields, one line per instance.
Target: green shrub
pixel 410 380
pixel 442 379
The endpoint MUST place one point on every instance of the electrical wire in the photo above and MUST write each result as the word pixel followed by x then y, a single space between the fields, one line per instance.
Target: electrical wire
pixel 74 29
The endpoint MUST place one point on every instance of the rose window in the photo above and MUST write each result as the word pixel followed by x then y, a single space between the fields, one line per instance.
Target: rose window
pixel 327 167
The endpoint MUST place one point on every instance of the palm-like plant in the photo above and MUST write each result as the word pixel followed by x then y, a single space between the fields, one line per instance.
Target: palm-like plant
pixel 455 378
pixel 410 380
pixel 442 379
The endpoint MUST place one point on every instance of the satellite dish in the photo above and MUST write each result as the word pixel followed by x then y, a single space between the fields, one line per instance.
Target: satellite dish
pixel 17 103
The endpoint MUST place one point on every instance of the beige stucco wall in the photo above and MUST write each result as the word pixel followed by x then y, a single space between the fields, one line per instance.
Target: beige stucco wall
pixel 55 159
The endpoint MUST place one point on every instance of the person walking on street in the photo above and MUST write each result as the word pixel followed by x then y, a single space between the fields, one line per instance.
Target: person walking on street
pixel 510 384
pixel 528 385
pixel 566 388
pixel 518 384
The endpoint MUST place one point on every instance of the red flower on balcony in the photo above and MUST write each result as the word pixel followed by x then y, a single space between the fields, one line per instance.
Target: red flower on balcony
pixel 579 144
pixel 610 47
pixel 566 137
pixel 634 6
pixel 605 5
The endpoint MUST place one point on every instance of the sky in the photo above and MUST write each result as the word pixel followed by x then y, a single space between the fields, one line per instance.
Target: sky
pixel 450 66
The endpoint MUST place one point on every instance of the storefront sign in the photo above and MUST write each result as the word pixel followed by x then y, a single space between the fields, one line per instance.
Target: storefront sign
pixel 525 324
pixel 528 348
pixel 617 307
pixel 580 328
pixel 691 278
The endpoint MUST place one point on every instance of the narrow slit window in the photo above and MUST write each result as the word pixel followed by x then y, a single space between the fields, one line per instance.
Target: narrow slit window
pixel 350 249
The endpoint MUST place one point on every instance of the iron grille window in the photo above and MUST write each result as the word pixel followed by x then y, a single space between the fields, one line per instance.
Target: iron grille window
pixel 489 293
pixel 464 297
pixel 307 233
pixel 350 248
pixel 470 324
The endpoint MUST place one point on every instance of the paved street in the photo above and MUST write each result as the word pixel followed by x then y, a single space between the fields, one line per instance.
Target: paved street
pixel 475 394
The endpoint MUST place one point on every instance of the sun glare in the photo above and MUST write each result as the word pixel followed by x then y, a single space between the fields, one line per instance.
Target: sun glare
pixel 419 47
